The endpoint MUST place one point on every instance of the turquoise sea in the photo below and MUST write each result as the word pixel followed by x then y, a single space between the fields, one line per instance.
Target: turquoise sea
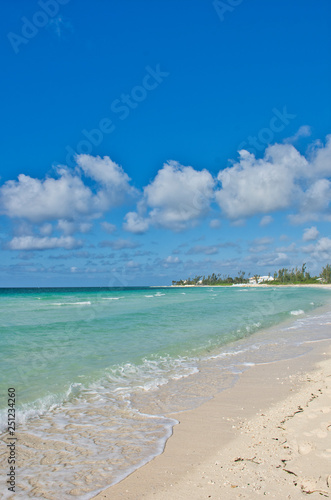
pixel 97 371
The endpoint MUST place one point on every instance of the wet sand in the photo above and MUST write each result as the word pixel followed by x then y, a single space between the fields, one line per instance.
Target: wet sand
pixel 269 435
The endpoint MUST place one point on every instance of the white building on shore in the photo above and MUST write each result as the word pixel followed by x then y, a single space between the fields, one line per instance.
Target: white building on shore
pixel 260 279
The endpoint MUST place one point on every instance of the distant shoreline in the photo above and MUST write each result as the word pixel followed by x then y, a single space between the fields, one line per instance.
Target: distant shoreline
pixel 259 285
pixel 230 285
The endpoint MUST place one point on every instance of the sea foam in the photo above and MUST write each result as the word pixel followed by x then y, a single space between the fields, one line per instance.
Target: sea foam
pixel 297 312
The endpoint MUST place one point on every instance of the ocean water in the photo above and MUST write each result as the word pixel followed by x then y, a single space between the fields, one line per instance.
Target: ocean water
pixel 98 372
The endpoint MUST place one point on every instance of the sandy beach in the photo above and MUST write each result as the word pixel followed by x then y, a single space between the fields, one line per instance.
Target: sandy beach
pixel 165 276
pixel 269 435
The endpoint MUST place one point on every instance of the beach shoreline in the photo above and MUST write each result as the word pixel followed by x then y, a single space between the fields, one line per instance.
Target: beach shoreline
pixel 245 441
pixel 159 421
pixel 258 285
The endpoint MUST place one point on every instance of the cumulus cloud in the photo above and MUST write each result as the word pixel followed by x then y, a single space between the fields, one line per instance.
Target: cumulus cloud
pixel 317 197
pixel 310 234
pixel 321 158
pixel 321 250
pixel 45 243
pixel 281 180
pixel 254 186
pixel 135 223
pixel 45 200
pixel 107 173
pixel 176 198
pixel 314 202
pixel 66 197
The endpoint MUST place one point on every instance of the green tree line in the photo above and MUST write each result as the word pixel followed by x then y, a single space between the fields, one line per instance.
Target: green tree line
pixel 282 276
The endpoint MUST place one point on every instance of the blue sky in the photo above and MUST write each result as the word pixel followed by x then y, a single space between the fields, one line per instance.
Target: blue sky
pixel 149 141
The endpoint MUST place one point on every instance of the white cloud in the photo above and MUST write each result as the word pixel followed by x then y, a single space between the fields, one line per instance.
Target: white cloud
pixel 176 198
pixel 310 234
pixel 171 260
pixel 321 158
pixel 254 186
pixel 321 250
pixel 266 220
pixel 317 197
pixel 314 203
pixel 45 243
pixel 106 172
pixel 49 199
pixel 282 179
pixel 66 197
pixel 304 131
pixel 135 223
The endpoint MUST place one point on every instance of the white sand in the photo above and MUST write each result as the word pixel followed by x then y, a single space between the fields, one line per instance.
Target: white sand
pixel 269 435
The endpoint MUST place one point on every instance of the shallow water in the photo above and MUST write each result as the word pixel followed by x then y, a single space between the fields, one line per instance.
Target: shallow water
pixel 98 371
